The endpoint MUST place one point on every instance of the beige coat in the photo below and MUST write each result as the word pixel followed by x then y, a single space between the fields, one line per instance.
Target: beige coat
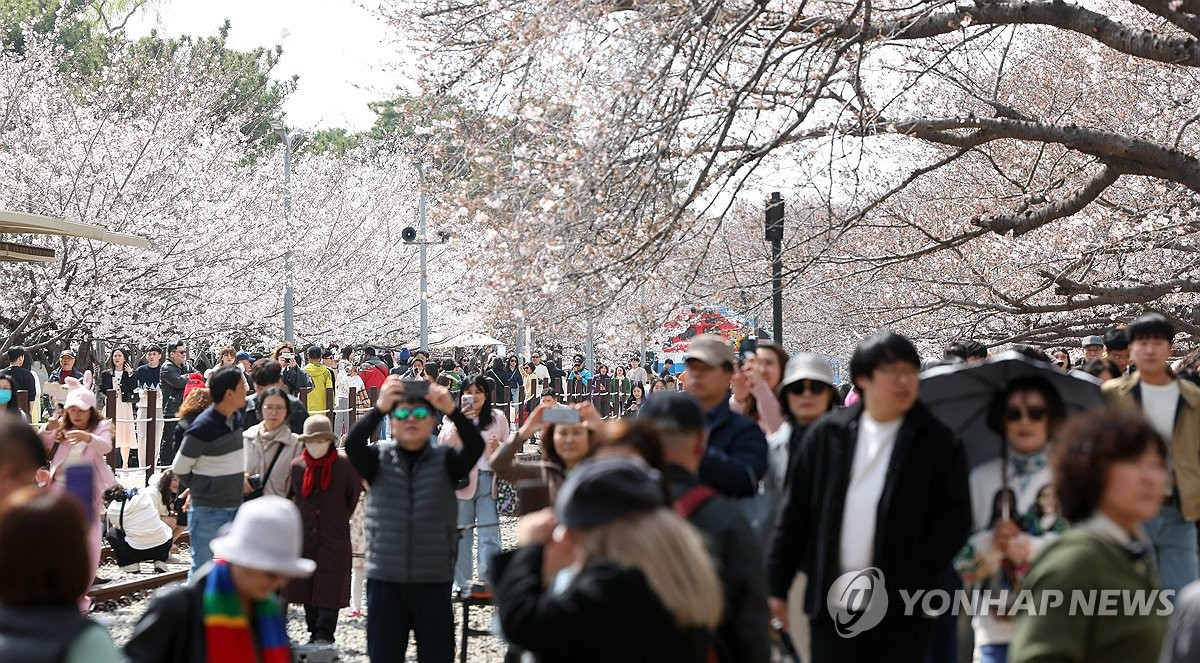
pixel 260 446
pixel 1125 392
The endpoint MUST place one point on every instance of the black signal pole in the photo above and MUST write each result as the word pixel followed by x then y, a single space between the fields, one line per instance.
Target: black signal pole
pixel 774 235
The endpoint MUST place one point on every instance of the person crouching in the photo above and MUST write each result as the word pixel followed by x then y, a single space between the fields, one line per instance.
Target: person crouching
pixel 325 487
pixel 135 532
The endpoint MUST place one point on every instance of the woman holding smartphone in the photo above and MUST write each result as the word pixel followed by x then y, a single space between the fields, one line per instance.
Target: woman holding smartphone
pixel 294 378
pixel 79 437
pixel 477 496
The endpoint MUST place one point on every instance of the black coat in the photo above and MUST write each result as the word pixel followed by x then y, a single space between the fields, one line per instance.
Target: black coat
pixel 737 554
pixel 608 613
pixel 127 385
pixel 172 628
pixel 924 512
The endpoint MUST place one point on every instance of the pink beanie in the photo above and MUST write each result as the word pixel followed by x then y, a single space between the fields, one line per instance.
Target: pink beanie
pixel 79 395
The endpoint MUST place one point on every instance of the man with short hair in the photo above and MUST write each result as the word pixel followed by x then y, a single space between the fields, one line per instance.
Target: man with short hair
pixel 878 486
pixel 539 369
pixel 65 368
pixel 321 378
pixel 668 368
pixel 578 380
pixel 735 459
pixel 1172 408
pixel 244 362
pixel 268 373
pixel 1116 347
pixel 970 351
pixel 212 462
pixel 411 517
pixel 21 378
pixel 372 370
pixel 742 634
pixel 148 374
pixel 636 373
pixel 21 454
pixel 1093 348
pixel 173 378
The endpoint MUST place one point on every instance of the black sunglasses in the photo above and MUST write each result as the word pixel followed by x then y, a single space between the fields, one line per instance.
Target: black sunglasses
pixel 1034 413
pixel 814 387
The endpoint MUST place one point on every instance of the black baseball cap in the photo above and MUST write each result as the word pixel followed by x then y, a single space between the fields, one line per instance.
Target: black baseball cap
pixel 601 490
pixel 673 410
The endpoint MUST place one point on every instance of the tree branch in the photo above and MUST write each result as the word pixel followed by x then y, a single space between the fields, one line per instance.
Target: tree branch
pixel 1021 223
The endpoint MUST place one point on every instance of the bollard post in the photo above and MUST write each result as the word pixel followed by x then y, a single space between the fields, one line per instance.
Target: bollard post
pixel 353 414
pixel 330 404
pixel 151 430
pixel 110 413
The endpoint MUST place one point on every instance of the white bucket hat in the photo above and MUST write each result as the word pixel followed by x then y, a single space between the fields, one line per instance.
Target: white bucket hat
pixel 805 367
pixel 266 535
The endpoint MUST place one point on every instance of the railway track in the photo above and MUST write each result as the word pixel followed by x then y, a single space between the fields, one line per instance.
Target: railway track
pixel 109 597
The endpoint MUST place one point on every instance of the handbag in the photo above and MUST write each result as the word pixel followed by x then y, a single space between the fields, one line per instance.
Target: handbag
pixel 758 509
pixel 116 535
pixel 506 498
pixel 259 491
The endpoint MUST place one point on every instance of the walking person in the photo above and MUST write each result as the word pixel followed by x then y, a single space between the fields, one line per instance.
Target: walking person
pixel 325 488
pixel 1026 415
pixel 865 479
pixel 477 515
pixel 120 376
pixel 411 520
pixel 22 378
pixel 1109 472
pixel 1172 408
pixel 229 611
pixel 270 447
pixel 193 404
pixel 211 464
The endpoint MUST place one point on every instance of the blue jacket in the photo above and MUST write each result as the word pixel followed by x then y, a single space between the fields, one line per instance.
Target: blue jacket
pixel 736 457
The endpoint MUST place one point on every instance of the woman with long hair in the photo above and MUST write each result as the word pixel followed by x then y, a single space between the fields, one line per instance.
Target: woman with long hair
pixel 79 435
pixel 271 446
pixel 164 492
pixel 755 383
pixel 563 446
pixel 119 375
pixel 193 404
pixel 637 395
pixel 612 557
pixel 477 515
pixel 1026 415
pixel 599 389
pixel 620 388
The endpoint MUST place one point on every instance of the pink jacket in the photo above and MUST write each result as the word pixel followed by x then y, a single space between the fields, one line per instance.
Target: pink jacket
pixel 93 452
pixel 449 437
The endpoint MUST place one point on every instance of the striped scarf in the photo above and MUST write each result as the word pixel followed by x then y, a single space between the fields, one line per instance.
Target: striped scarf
pixel 227 630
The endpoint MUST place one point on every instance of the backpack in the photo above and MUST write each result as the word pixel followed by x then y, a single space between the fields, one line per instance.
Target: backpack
pixel 693 498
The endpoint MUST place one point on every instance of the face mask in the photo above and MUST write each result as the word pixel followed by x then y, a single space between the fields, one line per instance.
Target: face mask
pixel 317 449
pixel 5 396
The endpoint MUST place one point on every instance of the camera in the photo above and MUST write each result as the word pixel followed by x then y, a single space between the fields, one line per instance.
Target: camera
pixel 416 388
pixel 561 414
pixel 256 481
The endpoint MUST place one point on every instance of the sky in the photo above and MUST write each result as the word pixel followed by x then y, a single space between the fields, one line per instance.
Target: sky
pixel 344 55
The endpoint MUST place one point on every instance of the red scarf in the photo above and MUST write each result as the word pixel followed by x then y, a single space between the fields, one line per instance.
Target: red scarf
pixel 311 465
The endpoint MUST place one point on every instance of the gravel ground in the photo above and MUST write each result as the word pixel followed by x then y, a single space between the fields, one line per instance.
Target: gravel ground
pixel 351 631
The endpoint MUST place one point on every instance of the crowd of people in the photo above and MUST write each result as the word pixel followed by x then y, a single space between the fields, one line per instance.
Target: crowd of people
pixel 718 511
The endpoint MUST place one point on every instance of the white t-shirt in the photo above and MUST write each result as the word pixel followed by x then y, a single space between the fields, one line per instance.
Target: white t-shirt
pixel 1159 403
pixel 872 456
pixel 637 375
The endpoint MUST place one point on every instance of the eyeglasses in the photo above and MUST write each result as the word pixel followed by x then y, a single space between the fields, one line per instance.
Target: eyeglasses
pixel 404 413
pixel 274 408
pixel 1034 413
pixel 800 387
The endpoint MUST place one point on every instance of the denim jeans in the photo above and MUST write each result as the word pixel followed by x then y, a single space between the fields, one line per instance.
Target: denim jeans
pixel 1174 548
pixel 993 653
pixel 481 512
pixel 203 523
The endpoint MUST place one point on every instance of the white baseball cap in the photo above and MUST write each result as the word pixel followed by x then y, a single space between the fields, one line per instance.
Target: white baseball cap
pixel 266 535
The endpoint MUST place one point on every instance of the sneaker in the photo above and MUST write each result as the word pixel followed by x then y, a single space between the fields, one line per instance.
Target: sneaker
pixel 132 568
pixel 355 612
pixel 160 567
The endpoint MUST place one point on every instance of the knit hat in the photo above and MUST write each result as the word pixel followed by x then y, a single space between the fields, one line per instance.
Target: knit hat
pixel 266 535
pixel 78 394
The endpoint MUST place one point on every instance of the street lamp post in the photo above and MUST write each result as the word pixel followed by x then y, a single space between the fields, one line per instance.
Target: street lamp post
pixel 288 273
pixel 417 236
pixel 774 234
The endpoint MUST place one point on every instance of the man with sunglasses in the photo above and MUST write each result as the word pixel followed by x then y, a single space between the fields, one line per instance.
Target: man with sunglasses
pixel 411 518
pixel 1172 408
